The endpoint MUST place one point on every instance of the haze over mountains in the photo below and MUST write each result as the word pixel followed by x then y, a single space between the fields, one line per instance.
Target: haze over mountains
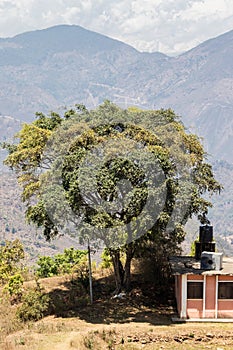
pixel 46 69
pixel 59 66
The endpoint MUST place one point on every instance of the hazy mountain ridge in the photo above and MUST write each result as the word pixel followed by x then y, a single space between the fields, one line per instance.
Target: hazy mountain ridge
pixel 205 95
pixel 63 64
pixel 47 69
pixel 59 66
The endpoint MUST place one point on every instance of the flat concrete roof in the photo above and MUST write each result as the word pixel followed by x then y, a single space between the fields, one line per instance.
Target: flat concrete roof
pixel 182 265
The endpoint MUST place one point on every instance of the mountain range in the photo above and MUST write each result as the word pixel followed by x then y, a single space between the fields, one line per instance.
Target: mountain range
pixel 55 68
pixel 63 65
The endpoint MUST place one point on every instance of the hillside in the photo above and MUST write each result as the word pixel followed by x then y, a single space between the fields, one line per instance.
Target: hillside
pixel 63 65
pixel 137 321
pixel 202 93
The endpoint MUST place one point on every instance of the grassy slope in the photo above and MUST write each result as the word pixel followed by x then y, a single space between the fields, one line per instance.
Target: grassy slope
pixel 135 322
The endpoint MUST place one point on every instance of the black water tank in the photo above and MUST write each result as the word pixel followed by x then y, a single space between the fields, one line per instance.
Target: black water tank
pixel 206 234
pixel 203 246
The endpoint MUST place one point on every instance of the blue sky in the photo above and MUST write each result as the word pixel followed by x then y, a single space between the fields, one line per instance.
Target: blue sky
pixel 169 26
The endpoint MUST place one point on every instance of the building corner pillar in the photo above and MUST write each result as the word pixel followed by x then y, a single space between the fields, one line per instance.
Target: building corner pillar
pixel 183 312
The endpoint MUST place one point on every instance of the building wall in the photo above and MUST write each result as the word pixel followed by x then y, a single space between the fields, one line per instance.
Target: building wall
pixel 195 278
pixel 194 306
pixel 225 309
pixel 210 297
pixel 225 306
pixel 208 307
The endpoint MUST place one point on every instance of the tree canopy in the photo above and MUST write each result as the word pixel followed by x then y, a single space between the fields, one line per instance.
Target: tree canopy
pixel 122 177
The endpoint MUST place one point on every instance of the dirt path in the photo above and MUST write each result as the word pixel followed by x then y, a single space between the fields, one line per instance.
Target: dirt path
pixel 70 334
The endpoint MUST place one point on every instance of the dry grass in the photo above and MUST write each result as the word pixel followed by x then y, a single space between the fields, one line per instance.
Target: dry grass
pixel 8 321
pixel 135 322
pixel 60 334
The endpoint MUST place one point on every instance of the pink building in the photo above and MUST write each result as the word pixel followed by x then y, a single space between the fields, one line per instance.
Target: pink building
pixel 204 283
pixel 203 294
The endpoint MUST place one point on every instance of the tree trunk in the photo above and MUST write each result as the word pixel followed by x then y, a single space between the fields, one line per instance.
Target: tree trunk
pixel 122 275
pixel 118 270
pixel 127 272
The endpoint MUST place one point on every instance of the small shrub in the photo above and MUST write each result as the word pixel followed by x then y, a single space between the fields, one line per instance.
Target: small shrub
pixel 89 341
pixel 14 288
pixel 20 341
pixel 34 305
pixel 67 262
pixel 11 253
pixel 106 259
pixel 82 272
pixel 47 267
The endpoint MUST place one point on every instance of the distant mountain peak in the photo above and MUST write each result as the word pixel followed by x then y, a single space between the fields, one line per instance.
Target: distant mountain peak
pixel 65 64
pixel 68 37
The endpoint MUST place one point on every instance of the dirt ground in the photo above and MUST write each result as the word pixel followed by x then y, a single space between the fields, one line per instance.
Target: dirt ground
pixel 134 322
pixel 60 334
pixel 146 330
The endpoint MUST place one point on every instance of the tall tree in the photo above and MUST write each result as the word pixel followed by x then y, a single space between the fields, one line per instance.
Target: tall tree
pixel 122 177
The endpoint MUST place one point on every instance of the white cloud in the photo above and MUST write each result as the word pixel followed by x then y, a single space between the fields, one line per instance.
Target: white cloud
pixel 166 25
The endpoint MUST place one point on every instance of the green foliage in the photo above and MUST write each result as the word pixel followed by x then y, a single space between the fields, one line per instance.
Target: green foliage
pixel 34 305
pixel 70 261
pixel 82 272
pixel 15 284
pixel 179 156
pixel 47 267
pixel 106 259
pixel 89 341
pixel 10 256
pixel 193 248
pixel 28 157
pixel 14 287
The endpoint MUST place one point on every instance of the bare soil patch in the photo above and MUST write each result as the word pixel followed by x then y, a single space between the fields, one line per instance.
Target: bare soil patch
pixel 140 320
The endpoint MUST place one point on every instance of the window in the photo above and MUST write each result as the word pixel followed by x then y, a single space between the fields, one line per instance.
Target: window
pixel 225 290
pixel 195 290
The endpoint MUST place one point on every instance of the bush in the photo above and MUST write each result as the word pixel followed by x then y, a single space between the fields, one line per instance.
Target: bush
pixel 106 259
pixel 10 255
pixel 82 271
pixel 67 262
pixel 47 267
pixel 14 287
pixel 34 305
